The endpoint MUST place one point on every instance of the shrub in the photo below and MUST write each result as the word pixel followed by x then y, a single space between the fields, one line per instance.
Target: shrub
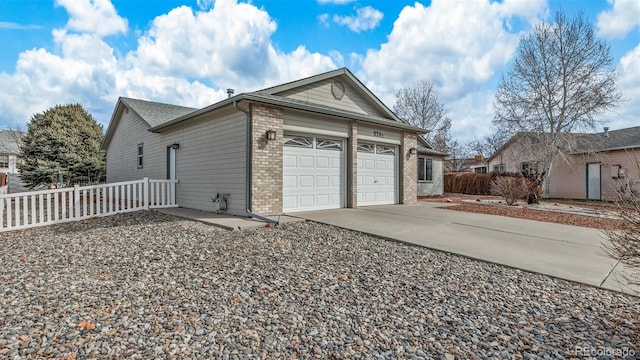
pixel 511 188
pixel 624 243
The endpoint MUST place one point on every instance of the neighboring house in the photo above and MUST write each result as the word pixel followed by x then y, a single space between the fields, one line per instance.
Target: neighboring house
pixel 10 151
pixel 321 142
pixel 475 165
pixel 591 166
pixel 430 169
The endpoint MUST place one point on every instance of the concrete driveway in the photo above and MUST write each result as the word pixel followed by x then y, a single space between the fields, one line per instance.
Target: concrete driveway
pixel 563 251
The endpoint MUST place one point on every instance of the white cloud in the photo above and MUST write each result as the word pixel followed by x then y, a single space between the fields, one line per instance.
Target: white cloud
pixel 367 18
pixel 457 45
pixel 629 84
pixel 618 22
pixel 15 26
pixel 93 16
pixel 186 57
pixel 324 19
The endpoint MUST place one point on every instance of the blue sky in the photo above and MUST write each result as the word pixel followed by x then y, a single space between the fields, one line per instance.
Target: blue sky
pixel 188 52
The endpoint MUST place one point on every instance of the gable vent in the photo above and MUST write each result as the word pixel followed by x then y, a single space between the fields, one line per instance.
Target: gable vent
pixel 337 90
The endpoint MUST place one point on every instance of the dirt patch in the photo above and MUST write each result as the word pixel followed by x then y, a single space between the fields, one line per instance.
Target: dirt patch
pixel 490 205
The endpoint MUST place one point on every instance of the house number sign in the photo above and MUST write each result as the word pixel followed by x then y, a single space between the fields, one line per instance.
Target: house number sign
pixel 377 133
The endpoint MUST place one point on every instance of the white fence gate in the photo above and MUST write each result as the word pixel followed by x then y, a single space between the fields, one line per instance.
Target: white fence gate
pixel 45 207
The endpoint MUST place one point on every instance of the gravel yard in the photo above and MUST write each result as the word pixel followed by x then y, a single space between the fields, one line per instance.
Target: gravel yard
pixel 147 285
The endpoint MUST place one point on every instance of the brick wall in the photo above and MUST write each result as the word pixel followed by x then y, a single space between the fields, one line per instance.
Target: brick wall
pixel 409 165
pixel 266 164
pixel 352 192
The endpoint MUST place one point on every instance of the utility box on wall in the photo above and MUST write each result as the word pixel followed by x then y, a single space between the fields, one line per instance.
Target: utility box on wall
pixel 617 171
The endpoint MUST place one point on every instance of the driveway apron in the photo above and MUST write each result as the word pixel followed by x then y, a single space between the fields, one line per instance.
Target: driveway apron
pixel 567 252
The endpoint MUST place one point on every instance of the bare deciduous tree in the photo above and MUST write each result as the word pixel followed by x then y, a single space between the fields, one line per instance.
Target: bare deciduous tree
pixel 624 244
pixel 562 80
pixel 488 145
pixel 421 107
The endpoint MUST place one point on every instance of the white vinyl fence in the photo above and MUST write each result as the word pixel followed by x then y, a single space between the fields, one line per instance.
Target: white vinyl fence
pixel 45 207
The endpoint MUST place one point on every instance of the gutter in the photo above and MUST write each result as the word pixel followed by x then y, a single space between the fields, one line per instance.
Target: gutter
pixel 273 100
pixel 248 167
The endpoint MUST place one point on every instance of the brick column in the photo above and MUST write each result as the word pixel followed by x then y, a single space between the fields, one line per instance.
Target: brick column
pixel 266 164
pixel 409 169
pixel 352 168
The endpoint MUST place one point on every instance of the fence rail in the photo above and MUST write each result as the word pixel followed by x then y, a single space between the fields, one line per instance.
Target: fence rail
pixel 45 207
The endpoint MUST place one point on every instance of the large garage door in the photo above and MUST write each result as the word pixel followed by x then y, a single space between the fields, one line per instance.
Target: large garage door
pixel 313 174
pixel 377 174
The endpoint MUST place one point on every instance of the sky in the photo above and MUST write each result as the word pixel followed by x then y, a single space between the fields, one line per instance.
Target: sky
pixel 188 52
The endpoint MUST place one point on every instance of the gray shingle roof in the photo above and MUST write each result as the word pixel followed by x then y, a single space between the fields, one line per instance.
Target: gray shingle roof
pixel 617 139
pixel 155 113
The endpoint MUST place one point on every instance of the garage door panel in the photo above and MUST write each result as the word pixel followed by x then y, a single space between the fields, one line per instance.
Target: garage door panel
pixel 289 161
pixel 305 181
pixel 315 180
pixel 305 162
pixel 377 174
pixel 306 200
pixel 322 181
pixel 290 181
pixel 322 162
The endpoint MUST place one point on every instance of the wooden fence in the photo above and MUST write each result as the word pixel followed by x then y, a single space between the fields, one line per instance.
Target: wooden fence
pixel 45 207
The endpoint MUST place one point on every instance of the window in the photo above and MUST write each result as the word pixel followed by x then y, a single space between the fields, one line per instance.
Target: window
pixel 327 144
pixel 299 141
pixel 140 156
pixel 529 169
pixel 480 170
pixel 386 150
pixel 500 168
pixel 367 148
pixel 4 161
pixel 425 169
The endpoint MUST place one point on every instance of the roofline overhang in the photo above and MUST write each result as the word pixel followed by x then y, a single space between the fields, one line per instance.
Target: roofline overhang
pixel 256 98
pixel 427 151
pixel 631 147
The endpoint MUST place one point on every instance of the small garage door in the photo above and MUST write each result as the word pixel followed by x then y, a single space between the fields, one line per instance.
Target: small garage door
pixel 377 174
pixel 313 174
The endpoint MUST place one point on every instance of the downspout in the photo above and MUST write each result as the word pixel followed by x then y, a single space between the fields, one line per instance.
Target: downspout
pixel 248 167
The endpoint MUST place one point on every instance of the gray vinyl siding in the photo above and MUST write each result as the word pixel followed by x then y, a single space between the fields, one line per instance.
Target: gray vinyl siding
pixel 123 149
pixel 210 158
pixel 435 187
pixel 320 93
pixel 376 131
pixel 314 121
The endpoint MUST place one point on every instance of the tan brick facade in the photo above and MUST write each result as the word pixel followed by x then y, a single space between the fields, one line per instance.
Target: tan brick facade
pixel 266 161
pixel 409 172
pixel 352 170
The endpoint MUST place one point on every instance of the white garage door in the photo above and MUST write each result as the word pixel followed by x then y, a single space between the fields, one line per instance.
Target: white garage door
pixel 377 171
pixel 313 174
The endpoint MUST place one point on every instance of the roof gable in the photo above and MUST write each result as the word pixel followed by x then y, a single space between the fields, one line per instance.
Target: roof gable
pixel 338 89
pixel 152 113
pixel 155 113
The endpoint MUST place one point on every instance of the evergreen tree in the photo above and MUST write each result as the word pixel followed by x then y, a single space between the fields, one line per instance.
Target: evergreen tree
pixel 62 146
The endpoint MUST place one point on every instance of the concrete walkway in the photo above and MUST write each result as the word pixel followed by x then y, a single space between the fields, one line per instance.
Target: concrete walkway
pixel 225 221
pixel 567 252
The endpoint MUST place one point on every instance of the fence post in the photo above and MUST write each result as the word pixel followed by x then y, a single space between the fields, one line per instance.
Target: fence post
pixel 76 201
pixel 145 193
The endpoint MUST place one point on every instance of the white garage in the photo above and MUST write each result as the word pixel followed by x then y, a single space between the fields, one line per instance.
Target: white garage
pixel 313 175
pixel 377 174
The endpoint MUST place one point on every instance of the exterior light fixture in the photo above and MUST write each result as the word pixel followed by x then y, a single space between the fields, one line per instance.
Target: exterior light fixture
pixel 271 134
pixel 413 151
